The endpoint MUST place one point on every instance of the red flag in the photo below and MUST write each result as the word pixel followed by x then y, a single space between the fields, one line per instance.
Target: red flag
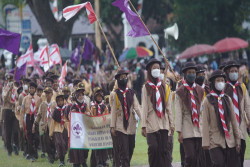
pixel 72 10
pixel 44 57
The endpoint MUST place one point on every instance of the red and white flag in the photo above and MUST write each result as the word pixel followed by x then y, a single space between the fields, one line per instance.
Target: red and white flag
pixel 55 10
pixel 63 75
pixel 54 56
pixel 72 10
pixel 28 58
pixel 44 58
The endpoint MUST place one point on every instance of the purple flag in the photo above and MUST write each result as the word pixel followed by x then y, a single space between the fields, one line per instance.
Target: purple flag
pixel 10 41
pixel 19 72
pixel 89 49
pixel 138 28
pixel 75 56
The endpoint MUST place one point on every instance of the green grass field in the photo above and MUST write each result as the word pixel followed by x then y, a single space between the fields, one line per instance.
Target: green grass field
pixel 140 156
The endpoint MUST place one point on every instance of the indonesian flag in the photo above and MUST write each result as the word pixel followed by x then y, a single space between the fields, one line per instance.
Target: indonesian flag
pixel 72 10
pixel 44 58
pixel 63 75
pixel 55 56
pixel 28 58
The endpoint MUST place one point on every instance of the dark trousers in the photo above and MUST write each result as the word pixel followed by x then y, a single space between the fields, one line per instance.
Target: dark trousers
pixel 158 148
pixel 208 159
pixel 49 145
pixel 182 155
pixel 9 128
pixel 224 157
pixel 126 144
pixel 194 154
pixel 116 154
pixel 242 152
pixel 170 150
pixel 42 143
pixel 33 139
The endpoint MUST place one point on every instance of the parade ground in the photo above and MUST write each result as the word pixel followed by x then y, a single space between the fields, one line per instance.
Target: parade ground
pixel 140 156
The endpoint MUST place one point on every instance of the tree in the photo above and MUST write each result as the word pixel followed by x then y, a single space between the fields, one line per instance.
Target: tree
pixel 55 32
pixel 209 21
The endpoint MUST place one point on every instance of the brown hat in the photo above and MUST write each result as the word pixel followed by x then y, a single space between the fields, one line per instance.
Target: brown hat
pixel 76 81
pixel 98 90
pixel 231 63
pixel 200 68
pixel 222 65
pixel 48 90
pixel 60 94
pixel 80 86
pixel 189 65
pixel 33 84
pixel 216 74
pixel 120 72
pixel 152 61
pixel 40 87
pixel 65 89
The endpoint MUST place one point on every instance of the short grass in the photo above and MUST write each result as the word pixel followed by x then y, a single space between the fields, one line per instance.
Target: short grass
pixel 140 156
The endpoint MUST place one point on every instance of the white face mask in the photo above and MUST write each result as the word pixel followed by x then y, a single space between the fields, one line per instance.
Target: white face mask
pixel 156 73
pixel 161 77
pixel 25 87
pixel 233 76
pixel 219 86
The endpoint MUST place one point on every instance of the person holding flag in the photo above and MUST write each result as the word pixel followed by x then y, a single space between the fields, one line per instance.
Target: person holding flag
pixel 188 121
pixel 98 108
pixel 157 119
pixel 123 122
pixel 44 117
pixel 240 97
pixel 220 133
pixel 29 109
pixel 79 157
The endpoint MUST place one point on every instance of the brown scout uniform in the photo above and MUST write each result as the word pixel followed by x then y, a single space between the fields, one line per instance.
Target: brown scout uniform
pixel 29 120
pixel 45 120
pixel 125 137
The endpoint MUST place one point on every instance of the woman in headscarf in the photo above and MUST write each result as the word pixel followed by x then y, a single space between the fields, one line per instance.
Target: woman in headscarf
pixel 220 133
pixel 157 118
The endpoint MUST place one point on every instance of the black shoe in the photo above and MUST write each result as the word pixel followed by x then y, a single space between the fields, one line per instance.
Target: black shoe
pixel 9 154
pixel 24 154
pixel 36 155
pixel 61 163
pixel 84 164
pixel 27 157
pixel 43 155
pixel 33 159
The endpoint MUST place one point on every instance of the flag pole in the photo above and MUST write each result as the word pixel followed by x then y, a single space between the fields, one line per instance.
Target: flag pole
pixel 78 68
pixel 164 57
pixel 48 58
pixel 112 52
pixel 15 70
pixel 26 75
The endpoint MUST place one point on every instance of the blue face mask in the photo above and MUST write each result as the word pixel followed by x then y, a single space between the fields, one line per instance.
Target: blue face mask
pixel 191 78
pixel 115 68
pixel 137 69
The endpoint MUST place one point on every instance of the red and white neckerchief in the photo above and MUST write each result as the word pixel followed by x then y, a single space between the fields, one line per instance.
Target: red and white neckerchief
pixel 61 110
pixel 24 94
pixel 32 107
pixel 159 107
pixel 99 111
pixel 125 101
pixel 49 111
pixel 235 101
pixel 221 110
pixel 80 108
pixel 13 96
pixel 195 117
pixel 203 86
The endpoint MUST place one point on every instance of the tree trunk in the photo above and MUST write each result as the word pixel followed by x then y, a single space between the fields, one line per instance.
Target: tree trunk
pixel 55 32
